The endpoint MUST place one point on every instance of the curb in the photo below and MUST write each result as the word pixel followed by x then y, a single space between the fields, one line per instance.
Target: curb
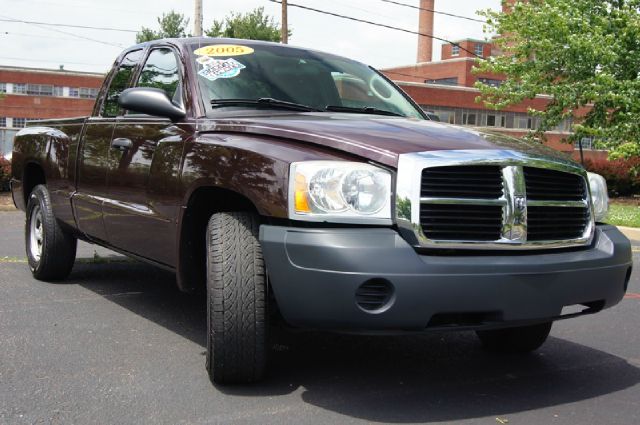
pixel 631 232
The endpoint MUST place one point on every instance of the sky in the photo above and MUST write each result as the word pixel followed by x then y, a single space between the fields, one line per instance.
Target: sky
pixel 42 46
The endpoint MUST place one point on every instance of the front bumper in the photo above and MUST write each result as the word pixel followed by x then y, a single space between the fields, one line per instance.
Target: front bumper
pixel 315 273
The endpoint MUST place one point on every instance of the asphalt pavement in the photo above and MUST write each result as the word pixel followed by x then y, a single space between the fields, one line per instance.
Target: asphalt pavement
pixel 117 343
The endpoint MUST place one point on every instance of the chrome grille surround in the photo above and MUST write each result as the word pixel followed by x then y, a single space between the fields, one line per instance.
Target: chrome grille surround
pixel 514 202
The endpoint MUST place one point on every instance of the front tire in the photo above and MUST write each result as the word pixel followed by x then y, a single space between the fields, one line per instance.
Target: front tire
pixel 236 299
pixel 523 339
pixel 51 250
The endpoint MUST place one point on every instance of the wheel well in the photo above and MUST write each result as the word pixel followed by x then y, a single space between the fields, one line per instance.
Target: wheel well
pixel 203 203
pixel 33 176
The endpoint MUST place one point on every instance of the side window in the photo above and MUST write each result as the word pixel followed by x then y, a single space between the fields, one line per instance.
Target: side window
pixel 120 82
pixel 161 72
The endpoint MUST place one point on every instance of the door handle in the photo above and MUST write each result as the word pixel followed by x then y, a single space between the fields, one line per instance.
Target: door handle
pixel 121 144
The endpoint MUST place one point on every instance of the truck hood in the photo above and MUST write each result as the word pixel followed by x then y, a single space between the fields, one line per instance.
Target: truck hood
pixel 377 138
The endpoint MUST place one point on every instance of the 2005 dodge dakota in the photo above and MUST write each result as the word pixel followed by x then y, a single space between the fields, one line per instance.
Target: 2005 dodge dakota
pixel 300 184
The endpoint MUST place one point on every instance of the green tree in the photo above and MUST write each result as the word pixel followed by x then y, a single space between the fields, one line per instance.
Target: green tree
pixel 582 53
pixel 254 25
pixel 172 25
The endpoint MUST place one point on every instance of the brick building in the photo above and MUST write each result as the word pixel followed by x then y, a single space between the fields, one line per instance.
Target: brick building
pixel 31 94
pixel 446 88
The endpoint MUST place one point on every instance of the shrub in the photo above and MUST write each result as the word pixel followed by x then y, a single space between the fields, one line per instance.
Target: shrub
pixel 625 151
pixel 5 174
pixel 622 175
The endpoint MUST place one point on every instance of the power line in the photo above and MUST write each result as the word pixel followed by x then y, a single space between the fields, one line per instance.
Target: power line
pixel 20 34
pixel 337 15
pixel 361 9
pixel 10 19
pixel 391 71
pixel 53 61
pixel 49 24
pixel 421 77
pixel 433 11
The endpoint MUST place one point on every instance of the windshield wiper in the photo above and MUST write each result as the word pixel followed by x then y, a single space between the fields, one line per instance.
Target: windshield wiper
pixel 267 101
pixel 363 110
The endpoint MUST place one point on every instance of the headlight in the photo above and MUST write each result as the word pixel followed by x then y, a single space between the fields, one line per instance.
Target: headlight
pixel 339 191
pixel 599 196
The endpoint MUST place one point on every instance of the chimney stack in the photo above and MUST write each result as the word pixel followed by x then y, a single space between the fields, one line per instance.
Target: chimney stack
pixel 425 26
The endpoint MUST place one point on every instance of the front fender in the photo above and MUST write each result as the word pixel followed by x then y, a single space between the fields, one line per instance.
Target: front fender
pixel 255 167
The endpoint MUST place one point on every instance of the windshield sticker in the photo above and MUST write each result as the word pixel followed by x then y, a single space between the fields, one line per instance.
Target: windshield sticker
pixel 223 50
pixel 227 68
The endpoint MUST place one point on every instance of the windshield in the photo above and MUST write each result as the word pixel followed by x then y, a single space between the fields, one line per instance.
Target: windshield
pixel 316 80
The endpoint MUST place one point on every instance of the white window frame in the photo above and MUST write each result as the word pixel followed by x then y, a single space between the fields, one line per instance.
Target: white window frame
pixel 479 49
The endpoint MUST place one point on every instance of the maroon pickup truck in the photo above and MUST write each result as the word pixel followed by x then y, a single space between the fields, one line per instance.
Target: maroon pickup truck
pixel 290 183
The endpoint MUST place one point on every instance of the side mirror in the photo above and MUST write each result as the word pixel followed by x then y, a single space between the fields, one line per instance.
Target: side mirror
pixel 147 100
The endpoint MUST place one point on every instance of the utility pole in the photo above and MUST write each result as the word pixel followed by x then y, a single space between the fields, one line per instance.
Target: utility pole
pixel 197 21
pixel 285 25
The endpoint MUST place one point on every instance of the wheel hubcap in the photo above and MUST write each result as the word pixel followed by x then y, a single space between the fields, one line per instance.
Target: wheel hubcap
pixel 36 236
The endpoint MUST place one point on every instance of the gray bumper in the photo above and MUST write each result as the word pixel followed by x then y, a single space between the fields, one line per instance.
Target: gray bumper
pixel 315 273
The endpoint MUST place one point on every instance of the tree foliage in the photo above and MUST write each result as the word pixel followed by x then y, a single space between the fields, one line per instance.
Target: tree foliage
pixel 172 25
pixel 584 54
pixel 254 25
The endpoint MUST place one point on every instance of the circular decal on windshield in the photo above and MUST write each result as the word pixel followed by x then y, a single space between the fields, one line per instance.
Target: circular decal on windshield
pixel 223 50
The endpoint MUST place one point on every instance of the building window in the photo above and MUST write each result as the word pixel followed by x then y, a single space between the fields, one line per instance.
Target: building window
pixel 488 118
pixel 3 87
pixel 3 121
pixel 565 125
pixel 496 120
pixel 20 88
pixel 525 122
pixel 40 89
pixel 588 143
pixel 490 82
pixel 479 50
pixel 452 81
pixel 83 92
pixel 455 50
pixel 469 118
pixel 19 122
pixel 58 91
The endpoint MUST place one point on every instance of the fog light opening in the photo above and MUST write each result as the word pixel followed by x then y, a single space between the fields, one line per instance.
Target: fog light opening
pixel 375 295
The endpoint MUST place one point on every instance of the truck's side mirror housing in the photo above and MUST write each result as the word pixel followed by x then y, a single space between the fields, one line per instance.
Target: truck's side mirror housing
pixel 152 101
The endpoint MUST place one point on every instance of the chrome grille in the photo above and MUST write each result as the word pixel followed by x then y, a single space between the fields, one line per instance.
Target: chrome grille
pixel 461 222
pixel 482 181
pixel 543 184
pixel 556 223
pixel 492 199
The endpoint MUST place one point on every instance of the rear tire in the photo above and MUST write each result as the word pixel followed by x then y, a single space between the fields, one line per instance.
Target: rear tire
pixel 51 250
pixel 523 339
pixel 236 299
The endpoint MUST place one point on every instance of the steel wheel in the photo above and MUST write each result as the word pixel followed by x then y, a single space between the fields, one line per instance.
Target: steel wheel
pixel 51 249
